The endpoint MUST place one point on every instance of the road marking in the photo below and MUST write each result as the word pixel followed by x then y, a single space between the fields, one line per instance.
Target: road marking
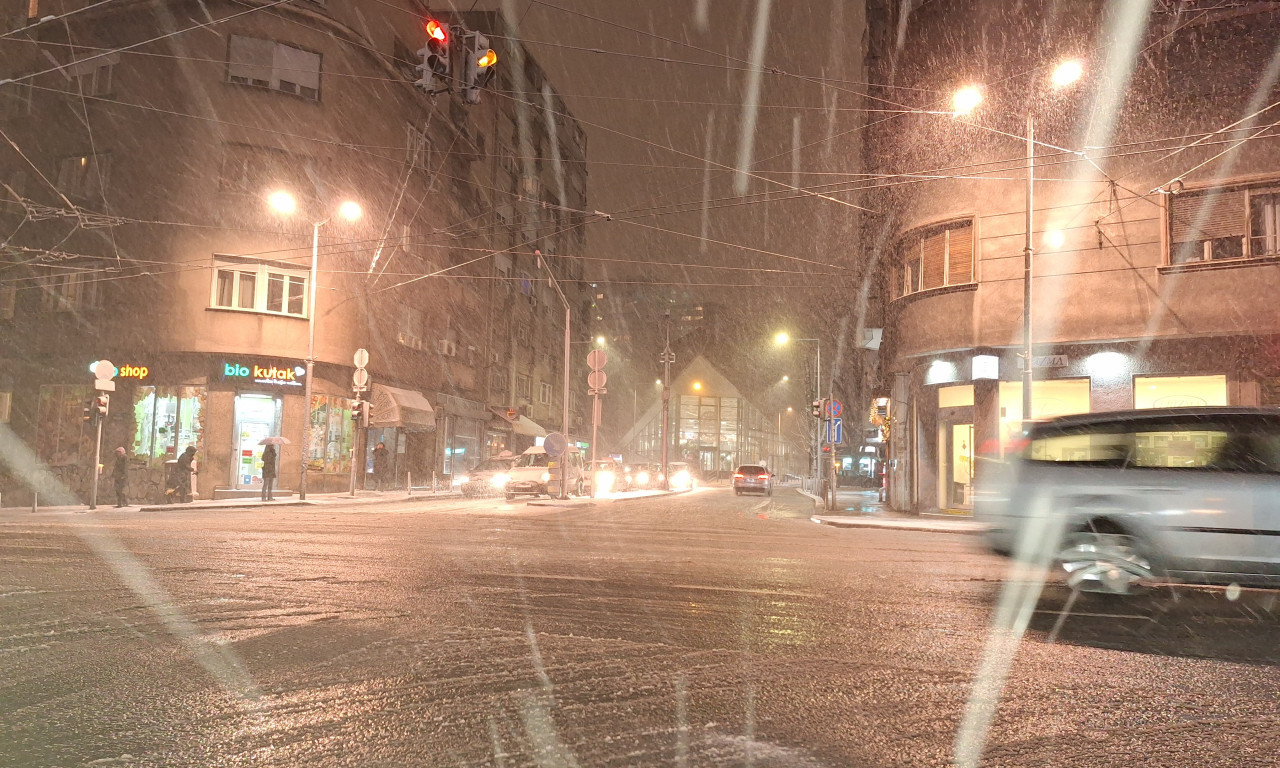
pixel 744 590
pixel 542 576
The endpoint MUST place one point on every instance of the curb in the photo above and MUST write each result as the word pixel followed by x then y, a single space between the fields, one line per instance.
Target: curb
pixel 660 495
pixel 319 502
pixel 897 524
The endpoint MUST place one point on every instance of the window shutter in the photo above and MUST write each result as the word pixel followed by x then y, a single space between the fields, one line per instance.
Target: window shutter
pixel 933 251
pixel 250 60
pixel 1207 216
pixel 960 255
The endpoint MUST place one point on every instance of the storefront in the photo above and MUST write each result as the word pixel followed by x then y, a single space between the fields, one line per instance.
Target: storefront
pixel 405 422
pixel 462 434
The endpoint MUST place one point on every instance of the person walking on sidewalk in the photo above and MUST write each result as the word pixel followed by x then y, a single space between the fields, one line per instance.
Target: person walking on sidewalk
pixel 185 472
pixel 380 458
pixel 268 472
pixel 120 475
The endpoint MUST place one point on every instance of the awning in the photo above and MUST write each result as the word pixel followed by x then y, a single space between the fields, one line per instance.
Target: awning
pixel 527 427
pixel 402 408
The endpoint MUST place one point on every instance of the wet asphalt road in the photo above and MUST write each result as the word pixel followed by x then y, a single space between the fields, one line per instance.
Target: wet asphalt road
pixel 701 630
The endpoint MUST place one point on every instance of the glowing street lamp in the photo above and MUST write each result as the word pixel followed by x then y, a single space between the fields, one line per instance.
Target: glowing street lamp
pixel 966 100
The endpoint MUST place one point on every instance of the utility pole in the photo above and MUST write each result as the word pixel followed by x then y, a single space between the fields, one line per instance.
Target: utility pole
pixel 667 358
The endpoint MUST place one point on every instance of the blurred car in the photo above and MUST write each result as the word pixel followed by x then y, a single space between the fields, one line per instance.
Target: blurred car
pixel 646 476
pixel 604 476
pixel 752 478
pixel 489 478
pixel 682 476
pixel 534 475
pixel 1111 500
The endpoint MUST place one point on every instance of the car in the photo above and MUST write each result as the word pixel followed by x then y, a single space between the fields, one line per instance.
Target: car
pixel 1114 500
pixel 603 477
pixel 681 474
pixel 534 473
pixel 646 476
pixel 752 478
pixel 488 478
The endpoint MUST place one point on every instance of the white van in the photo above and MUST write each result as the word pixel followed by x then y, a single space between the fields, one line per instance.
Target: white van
pixel 536 474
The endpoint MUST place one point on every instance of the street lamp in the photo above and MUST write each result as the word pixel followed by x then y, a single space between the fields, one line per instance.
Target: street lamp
pixel 782 339
pixel 967 99
pixel 551 278
pixel 285 203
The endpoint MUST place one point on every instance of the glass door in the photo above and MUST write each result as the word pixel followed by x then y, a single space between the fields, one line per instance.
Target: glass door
pixel 257 416
pixel 959 457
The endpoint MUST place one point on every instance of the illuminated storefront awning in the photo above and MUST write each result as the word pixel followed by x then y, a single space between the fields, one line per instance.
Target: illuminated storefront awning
pixel 402 408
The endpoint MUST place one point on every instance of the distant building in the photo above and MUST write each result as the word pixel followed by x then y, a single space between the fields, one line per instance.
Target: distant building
pixel 1155 233
pixel 137 230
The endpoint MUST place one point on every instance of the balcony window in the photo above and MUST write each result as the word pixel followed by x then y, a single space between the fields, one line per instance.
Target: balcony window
pixel 935 257
pixel 254 287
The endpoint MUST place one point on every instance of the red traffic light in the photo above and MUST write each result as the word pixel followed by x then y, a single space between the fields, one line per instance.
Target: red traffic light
pixel 436 30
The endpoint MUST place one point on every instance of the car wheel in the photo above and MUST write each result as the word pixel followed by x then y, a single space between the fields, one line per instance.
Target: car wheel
pixel 1104 558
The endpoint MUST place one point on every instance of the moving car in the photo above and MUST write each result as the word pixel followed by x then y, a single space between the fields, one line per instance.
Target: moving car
pixel 533 474
pixel 681 476
pixel 489 478
pixel 604 476
pixel 752 478
pixel 1111 500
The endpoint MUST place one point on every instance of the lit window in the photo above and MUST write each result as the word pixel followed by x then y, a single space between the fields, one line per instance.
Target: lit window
pixel 256 287
pixel 280 67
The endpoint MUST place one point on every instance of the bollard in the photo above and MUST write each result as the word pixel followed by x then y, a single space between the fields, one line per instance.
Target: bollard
pixel 408 483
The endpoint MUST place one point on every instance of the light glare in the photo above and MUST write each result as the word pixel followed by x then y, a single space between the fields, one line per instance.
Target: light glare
pixel 282 202
pixel 966 99
pixel 350 210
pixel 1067 73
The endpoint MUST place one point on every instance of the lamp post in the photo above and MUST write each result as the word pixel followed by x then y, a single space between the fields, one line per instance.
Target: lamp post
pixel 286 204
pixel 551 278
pixel 783 338
pixel 967 99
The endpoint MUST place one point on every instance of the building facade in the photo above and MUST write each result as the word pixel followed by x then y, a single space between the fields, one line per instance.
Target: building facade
pixel 1154 230
pixel 137 230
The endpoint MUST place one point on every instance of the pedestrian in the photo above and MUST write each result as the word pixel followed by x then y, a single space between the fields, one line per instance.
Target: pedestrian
pixel 185 472
pixel 268 472
pixel 120 474
pixel 380 466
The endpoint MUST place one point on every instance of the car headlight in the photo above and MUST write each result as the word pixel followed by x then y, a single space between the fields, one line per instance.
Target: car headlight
pixel 461 479
pixel 680 479
pixel 546 477
pixel 642 478
pixel 500 480
pixel 604 481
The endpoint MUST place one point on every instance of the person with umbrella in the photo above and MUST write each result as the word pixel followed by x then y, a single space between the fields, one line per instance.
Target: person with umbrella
pixel 268 471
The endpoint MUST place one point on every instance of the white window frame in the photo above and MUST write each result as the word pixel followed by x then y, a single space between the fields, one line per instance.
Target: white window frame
pixel 524 386
pixel 544 393
pixel 262 273
pixel 276 76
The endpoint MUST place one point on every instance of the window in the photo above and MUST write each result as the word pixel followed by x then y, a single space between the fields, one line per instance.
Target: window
pixel 1224 223
pixel 544 393
pixel 8 300
pixel 33 9
pixel 92 77
pixel 63 437
pixel 332 435
pixel 69 291
pixel 523 387
pixel 6 406
pixel 84 176
pixel 1238 446
pixel 257 287
pixel 1264 224
pixel 253 170
pixel 165 418
pixel 280 67
pixel 935 257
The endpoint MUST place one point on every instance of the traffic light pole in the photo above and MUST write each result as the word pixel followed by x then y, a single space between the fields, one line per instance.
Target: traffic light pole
pixel 667 359
pixel 97 458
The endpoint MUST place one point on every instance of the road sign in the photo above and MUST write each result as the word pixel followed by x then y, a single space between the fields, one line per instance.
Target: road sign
pixel 362 357
pixel 104 370
pixel 596 359
pixel 555 444
pixel 104 385
pixel 360 378
pixel 834 408
pixel 596 379
pixel 835 431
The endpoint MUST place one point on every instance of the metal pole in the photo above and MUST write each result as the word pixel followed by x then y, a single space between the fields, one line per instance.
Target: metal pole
pixel 1026 277
pixel 564 460
pixel 666 402
pixel 817 438
pixel 355 446
pixel 595 427
pixel 97 457
pixel 311 360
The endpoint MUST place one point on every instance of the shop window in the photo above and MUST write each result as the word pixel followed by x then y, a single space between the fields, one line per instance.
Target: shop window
pixel 62 434
pixel 280 67
pixel 255 287
pixel 1178 391
pixel 935 257
pixel 1049 399
pixel 165 421
pixel 955 397
pixel 332 435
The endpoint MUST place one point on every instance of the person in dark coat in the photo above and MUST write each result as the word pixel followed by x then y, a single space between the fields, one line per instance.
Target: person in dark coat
pixel 268 472
pixel 380 466
pixel 120 475
pixel 185 472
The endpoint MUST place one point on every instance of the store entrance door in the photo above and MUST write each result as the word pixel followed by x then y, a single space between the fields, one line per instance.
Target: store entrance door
pixel 958 458
pixel 257 416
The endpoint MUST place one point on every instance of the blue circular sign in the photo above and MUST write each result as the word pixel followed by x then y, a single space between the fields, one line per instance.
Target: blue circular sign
pixel 834 409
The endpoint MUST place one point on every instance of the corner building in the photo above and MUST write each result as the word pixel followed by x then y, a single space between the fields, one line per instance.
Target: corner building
pixel 138 230
pixel 1155 229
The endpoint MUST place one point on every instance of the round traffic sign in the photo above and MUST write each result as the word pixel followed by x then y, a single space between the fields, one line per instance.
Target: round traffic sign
pixel 362 357
pixel 555 444
pixel 360 378
pixel 104 370
pixel 596 379
pixel 596 359
pixel 834 409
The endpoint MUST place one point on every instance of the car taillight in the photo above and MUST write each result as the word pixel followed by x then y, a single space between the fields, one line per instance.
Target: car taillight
pixel 738 475
pixel 762 477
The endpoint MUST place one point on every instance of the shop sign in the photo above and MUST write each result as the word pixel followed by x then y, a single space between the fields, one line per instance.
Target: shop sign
pixel 280 373
pixel 1049 361
pixel 126 371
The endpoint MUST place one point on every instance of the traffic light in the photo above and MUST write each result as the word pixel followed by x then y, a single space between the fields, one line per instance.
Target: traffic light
pixel 100 405
pixel 816 410
pixel 435 64
pixel 360 412
pixel 478 66
pixel 89 412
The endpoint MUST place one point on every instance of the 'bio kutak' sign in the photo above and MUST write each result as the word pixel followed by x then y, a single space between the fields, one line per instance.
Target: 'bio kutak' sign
pixel 280 373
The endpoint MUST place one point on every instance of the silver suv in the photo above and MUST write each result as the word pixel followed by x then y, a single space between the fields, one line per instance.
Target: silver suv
pixel 1113 499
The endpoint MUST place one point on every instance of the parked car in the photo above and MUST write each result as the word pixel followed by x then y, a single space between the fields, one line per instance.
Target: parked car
pixel 489 478
pixel 752 478
pixel 533 474
pixel 1116 499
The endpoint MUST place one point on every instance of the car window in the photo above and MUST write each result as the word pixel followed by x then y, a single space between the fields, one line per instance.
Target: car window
pixel 532 460
pixel 749 469
pixel 1240 447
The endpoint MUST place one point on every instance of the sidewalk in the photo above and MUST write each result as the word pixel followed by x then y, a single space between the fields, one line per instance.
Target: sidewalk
pixel 860 508
pixel 362 498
